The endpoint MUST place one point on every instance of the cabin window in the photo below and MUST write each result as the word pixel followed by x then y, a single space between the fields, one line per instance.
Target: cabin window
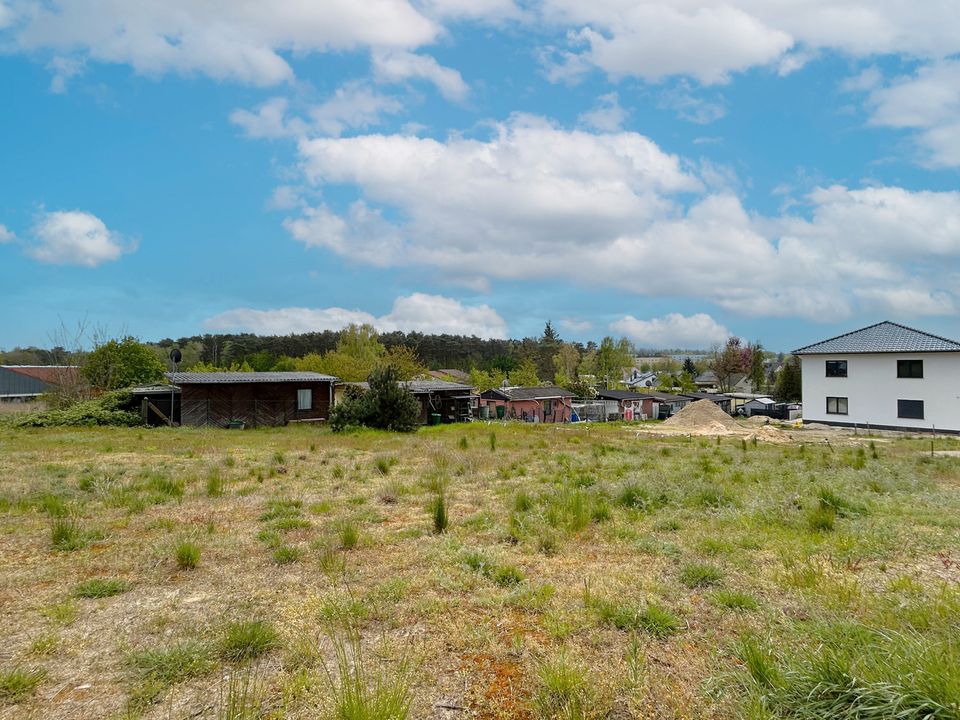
pixel 305 399
pixel 909 368
pixel 910 409
pixel 547 407
pixel 836 406
pixel 836 368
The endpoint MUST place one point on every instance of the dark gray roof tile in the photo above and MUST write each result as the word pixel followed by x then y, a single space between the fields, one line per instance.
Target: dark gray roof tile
pixel 884 337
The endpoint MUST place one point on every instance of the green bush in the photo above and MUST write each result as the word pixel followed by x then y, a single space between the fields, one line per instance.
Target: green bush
pixel 386 405
pixel 108 409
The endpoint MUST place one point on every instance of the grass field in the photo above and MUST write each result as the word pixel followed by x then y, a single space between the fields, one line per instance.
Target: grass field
pixel 482 571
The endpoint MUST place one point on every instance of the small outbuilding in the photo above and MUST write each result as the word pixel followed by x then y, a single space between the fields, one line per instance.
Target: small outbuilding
pixel 19 383
pixel 549 404
pixel 442 401
pixel 724 402
pixel 254 399
pixel 626 405
pixel 757 406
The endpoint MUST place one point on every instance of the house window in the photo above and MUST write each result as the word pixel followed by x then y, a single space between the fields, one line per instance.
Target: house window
pixel 910 409
pixel 547 407
pixel 836 368
pixel 836 406
pixel 909 368
pixel 305 399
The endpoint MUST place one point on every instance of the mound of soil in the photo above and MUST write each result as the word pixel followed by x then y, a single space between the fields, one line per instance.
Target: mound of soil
pixel 701 415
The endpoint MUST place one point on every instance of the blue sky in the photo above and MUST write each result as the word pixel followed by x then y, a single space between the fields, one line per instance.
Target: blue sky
pixel 671 170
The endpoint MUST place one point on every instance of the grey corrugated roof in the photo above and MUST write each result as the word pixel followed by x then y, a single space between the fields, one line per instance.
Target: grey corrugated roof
pixel 621 395
pixel 533 393
pixel 220 378
pixel 428 386
pixel 884 337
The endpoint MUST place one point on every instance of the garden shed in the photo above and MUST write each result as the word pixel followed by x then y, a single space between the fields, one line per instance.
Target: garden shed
pixel 252 399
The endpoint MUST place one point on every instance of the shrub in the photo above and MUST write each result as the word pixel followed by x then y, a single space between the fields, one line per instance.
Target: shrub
pixel 101 588
pixel 386 405
pixel 17 683
pixel 108 409
pixel 187 555
pixel 246 640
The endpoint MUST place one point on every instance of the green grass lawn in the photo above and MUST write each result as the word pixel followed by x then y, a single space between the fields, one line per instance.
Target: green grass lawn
pixel 546 572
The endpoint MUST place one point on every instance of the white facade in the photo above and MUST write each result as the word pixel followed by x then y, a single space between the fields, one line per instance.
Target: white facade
pixel 872 390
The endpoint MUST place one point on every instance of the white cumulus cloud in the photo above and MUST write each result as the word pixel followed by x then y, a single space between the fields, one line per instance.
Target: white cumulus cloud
pixel 672 330
pixel 75 237
pixel 537 202
pixel 354 105
pixel 607 115
pixel 400 65
pixel 241 40
pixel 927 102
pixel 711 39
pixel 6 235
pixel 417 312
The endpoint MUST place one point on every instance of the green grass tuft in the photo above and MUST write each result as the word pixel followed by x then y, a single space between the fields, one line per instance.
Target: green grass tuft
pixel 17 683
pixel 735 600
pixel 66 534
pixel 700 575
pixel 187 555
pixel 101 588
pixel 158 670
pixel 359 692
pixel 563 690
pixel 247 640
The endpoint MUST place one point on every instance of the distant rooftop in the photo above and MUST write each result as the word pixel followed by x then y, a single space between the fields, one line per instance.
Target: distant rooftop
pixel 884 337
pixel 532 393
pixel 221 378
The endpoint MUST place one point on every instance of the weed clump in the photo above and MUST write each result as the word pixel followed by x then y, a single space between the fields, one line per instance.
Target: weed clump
pixel 158 670
pixel 101 588
pixel 438 511
pixel 187 555
pixel 17 683
pixel 66 534
pixel 700 575
pixel 563 689
pixel 246 640
pixel 360 692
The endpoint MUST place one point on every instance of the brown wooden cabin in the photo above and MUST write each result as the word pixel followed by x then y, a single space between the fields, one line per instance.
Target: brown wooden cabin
pixel 252 399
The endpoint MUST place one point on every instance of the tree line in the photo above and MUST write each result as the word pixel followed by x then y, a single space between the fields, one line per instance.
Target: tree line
pixel 353 353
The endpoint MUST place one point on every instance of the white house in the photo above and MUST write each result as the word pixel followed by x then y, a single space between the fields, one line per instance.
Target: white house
pixel 886 376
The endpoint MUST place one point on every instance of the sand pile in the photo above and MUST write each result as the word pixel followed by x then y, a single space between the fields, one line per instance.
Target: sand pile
pixel 702 416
